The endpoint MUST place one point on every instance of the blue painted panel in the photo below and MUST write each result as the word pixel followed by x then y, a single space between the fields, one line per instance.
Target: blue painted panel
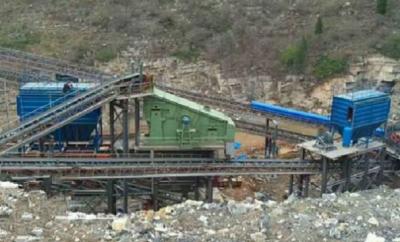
pixel 290 113
pixel 360 112
pixel 37 97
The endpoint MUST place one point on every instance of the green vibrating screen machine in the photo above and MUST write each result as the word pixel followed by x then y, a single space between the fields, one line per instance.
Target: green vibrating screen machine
pixel 175 123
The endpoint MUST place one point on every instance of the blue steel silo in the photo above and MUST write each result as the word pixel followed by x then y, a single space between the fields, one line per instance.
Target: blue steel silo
pixel 37 97
pixel 359 114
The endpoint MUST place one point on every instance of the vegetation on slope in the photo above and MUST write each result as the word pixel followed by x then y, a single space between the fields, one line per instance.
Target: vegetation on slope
pixel 242 36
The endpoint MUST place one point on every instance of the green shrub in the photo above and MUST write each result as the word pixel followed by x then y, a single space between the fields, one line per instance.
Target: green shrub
pixel 294 56
pixel 381 6
pixel 328 67
pixel 106 54
pixel 319 27
pixel 187 54
pixel 391 47
pixel 20 41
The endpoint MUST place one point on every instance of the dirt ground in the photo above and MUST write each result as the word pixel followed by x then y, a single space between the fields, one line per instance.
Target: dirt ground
pixel 274 187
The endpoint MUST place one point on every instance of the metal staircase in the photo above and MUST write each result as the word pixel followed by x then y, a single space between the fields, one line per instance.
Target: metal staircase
pixel 56 117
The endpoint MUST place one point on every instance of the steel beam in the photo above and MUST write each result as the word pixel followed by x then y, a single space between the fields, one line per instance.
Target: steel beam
pixel 154 190
pixel 137 122
pixel 125 127
pixel 209 189
pixel 111 197
pixel 324 180
pixel 125 195
pixel 112 125
pixel 291 181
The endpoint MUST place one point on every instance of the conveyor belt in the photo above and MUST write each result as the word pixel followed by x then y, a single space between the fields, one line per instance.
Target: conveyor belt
pixel 50 120
pixel 18 62
pixel 82 169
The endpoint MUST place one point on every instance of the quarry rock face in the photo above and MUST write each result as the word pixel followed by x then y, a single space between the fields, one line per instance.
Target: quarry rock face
pixel 372 216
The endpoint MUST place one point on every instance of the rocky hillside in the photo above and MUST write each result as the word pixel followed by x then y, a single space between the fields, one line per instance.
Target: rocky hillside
pixel 284 51
pixel 263 37
pixel 371 216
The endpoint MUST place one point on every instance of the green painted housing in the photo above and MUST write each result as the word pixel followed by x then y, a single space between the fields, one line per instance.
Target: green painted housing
pixel 175 121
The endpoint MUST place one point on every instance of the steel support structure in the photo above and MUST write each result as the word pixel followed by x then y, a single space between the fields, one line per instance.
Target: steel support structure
pixel 125 126
pixel 137 122
pixel 154 191
pixel 209 189
pixel 324 179
pixel 111 197
pixel 112 125
pixel 125 195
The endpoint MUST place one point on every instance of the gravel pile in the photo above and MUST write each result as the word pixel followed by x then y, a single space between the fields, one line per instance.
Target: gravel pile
pixel 371 216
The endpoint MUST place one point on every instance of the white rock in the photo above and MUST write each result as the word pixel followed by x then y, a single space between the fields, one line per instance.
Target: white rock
pixel 210 231
pixel 258 237
pixel 3 233
pixel 372 237
pixel 37 231
pixel 8 185
pixel 203 219
pixel 373 221
pixel 396 239
pixel 5 211
pixel 270 203
pixel 72 216
pixel 26 216
pixel 160 227
pixel 193 203
pixel 26 238
pixel 329 197
pixel 354 194
pixel 120 224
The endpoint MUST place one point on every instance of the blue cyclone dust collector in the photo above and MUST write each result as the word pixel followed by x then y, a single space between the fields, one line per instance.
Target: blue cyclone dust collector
pixel 358 114
pixel 37 97
pixel 354 115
